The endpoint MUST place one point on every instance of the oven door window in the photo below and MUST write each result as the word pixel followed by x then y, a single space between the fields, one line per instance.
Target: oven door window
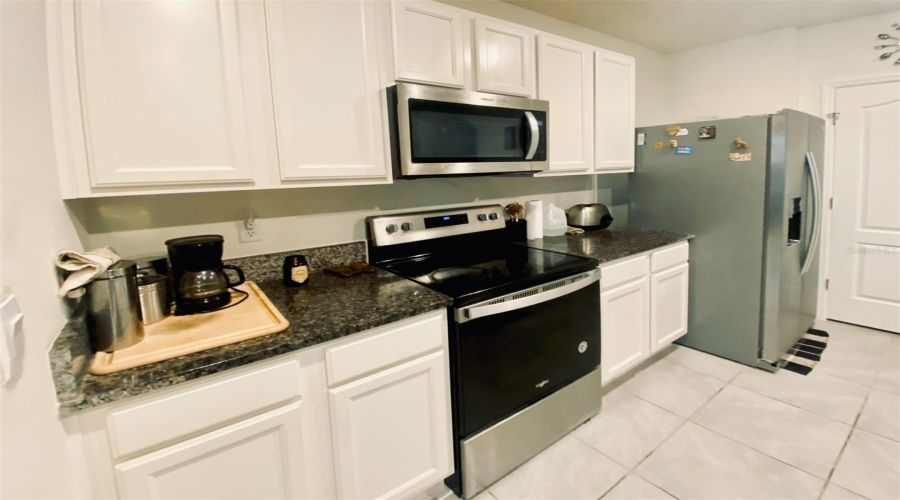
pixel 510 360
pixel 443 132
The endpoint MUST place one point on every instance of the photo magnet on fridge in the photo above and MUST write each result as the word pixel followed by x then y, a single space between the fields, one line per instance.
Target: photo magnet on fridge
pixel 708 132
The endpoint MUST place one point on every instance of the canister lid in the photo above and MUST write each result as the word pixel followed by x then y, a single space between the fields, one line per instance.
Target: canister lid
pixel 151 281
pixel 118 270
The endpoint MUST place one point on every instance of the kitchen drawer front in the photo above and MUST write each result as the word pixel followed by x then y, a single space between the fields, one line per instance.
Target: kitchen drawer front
pixel 668 257
pixel 622 272
pixel 161 420
pixel 384 347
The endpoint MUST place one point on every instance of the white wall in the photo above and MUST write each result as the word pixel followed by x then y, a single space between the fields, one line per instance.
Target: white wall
pixel 34 224
pixel 764 73
pixel 841 50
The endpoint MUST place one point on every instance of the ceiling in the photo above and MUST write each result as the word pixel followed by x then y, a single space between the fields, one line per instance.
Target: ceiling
pixel 676 25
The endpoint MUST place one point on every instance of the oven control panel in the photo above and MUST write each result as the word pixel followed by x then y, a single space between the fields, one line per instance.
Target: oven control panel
pixel 395 229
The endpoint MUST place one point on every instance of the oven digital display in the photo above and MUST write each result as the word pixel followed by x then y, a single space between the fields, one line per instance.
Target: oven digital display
pixel 446 220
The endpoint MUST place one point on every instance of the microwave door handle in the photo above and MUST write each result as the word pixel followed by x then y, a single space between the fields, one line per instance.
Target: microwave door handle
pixel 534 137
pixel 483 310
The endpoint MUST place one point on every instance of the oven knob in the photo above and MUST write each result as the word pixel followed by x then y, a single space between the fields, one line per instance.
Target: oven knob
pixel 482 217
pixel 582 347
pixel 406 226
pixel 392 228
pixel 493 216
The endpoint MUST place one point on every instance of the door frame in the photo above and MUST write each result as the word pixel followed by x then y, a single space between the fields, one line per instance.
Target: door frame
pixel 829 94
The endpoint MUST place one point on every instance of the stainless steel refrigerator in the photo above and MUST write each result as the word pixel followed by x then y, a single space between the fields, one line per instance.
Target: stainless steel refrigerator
pixel 752 196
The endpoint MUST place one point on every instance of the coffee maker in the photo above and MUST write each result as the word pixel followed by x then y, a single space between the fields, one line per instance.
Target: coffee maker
pixel 199 279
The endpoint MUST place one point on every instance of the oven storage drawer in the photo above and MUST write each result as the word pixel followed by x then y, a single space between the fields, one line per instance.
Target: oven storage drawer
pixel 514 356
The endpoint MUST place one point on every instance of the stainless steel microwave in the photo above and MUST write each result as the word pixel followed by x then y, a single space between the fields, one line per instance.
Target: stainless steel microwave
pixel 438 132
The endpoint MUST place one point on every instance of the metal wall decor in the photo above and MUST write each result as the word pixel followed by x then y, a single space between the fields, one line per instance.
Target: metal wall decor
pixel 894 45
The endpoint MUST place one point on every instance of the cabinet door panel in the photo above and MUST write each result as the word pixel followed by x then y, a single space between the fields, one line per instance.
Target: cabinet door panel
pixel 428 43
pixel 668 306
pixel 505 58
pixel 614 96
pixel 162 92
pixel 391 430
pixel 624 328
pixel 256 458
pixel 326 89
pixel 566 79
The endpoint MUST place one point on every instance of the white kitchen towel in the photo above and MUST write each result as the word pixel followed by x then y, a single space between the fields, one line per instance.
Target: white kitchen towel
pixel 534 215
pixel 83 266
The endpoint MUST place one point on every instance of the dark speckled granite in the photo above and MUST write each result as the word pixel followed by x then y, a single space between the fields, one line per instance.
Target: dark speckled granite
pixel 267 267
pixel 609 244
pixel 327 308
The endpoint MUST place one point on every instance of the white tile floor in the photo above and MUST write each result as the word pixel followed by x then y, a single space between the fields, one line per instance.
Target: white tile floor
pixel 696 426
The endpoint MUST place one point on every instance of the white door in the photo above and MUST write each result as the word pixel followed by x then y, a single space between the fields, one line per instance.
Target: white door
pixel 162 92
pixel 429 43
pixel 864 260
pixel 504 58
pixel 328 99
pixel 260 457
pixel 624 328
pixel 566 79
pixel 392 430
pixel 668 306
pixel 614 112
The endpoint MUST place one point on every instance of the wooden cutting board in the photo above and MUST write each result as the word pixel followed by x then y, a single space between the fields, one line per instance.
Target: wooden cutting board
pixel 180 335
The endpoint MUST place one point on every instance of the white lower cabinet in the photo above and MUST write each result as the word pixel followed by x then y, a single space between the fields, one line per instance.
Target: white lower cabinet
pixel 276 429
pixel 261 457
pixel 669 306
pixel 643 307
pixel 624 326
pixel 392 431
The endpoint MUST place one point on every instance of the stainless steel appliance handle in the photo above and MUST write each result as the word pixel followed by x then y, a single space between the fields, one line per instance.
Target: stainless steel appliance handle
pixel 817 211
pixel 542 293
pixel 535 135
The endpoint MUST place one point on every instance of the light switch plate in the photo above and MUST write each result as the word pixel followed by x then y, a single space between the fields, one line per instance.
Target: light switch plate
pixel 11 342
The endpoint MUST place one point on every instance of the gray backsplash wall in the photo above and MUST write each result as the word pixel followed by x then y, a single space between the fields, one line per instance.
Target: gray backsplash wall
pixel 289 219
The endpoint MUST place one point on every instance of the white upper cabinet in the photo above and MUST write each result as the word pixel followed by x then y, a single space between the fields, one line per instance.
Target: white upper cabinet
pixel 429 43
pixel 327 92
pixel 566 79
pixel 161 92
pixel 614 99
pixel 504 56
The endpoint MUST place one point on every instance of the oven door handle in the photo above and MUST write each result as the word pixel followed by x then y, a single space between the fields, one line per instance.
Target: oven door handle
pixel 534 137
pixel 553 291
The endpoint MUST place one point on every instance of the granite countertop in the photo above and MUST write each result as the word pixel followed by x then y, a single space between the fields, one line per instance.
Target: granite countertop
pixel 609 244
pixel 329 307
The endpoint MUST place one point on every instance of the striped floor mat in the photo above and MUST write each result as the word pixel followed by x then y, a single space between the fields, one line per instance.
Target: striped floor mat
pixel 806 352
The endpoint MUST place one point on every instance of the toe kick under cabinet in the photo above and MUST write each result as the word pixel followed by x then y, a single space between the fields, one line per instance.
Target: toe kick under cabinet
pixel 643 307
pixel 366 416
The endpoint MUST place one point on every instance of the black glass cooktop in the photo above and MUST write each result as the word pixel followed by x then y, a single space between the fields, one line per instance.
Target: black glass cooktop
pixel 489 271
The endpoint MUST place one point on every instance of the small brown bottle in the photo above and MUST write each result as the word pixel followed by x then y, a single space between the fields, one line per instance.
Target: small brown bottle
pixel 296 270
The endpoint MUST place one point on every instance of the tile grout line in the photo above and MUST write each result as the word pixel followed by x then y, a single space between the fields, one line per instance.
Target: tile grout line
pixel 846 442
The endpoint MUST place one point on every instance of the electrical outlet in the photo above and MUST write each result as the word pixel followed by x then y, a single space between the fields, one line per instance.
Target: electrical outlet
pixel 248 230
pixel 248 235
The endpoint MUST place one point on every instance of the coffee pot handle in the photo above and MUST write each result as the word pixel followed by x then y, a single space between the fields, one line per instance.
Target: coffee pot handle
pixel 240 275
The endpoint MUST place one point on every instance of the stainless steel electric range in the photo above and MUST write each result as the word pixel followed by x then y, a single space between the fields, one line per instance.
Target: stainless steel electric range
pixel 524 333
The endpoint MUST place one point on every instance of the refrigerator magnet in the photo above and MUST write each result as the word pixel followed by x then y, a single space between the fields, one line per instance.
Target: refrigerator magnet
pixel 641 139
pixel 684 150
pixel 740 156
pixel 681 133
pixel 658 145
pixel 708 132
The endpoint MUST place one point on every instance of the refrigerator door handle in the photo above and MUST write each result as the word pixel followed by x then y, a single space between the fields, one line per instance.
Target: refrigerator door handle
pixel 817 211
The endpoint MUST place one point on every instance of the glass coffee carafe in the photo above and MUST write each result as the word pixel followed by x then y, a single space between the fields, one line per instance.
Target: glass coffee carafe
pixel 199 275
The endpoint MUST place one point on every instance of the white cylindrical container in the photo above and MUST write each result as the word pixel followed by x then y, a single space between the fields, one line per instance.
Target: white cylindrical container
pixel 534 215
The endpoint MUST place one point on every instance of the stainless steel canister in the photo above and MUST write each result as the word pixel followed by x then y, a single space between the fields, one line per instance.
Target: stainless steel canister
pixel 114 314
pixel 154 297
